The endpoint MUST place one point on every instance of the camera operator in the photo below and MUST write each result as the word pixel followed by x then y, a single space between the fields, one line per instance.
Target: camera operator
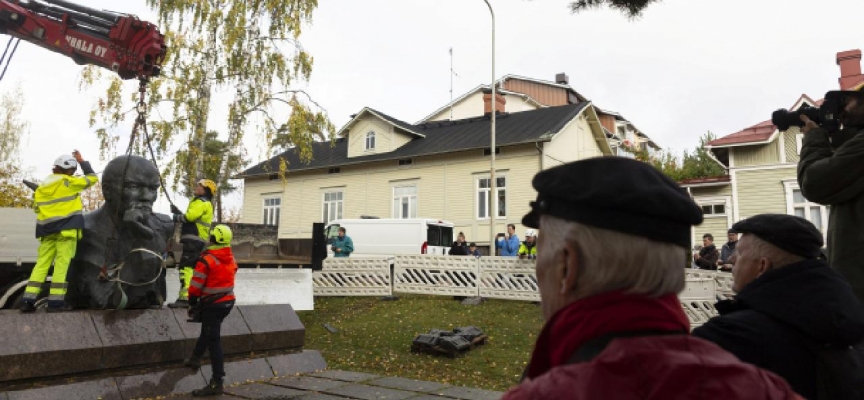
pixel 831 172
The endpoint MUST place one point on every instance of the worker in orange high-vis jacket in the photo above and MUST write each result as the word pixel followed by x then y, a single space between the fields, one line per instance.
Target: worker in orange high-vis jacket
pixel 211 298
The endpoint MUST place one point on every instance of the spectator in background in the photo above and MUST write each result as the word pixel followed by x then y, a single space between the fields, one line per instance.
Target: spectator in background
pixel 459 247
pixel 727 251
pixel 609 274
pixel 528 249
pixel 342 245
pixel 708 256
pixel 510 245
pixel 473 251
pixel 792 315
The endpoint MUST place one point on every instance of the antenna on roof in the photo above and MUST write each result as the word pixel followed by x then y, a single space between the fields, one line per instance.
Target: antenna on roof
pixel 452 74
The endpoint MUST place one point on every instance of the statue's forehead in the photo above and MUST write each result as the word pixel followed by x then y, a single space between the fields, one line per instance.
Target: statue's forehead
pixel 142 175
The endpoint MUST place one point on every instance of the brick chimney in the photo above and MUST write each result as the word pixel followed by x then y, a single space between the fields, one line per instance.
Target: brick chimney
pixel 850 68
pixel 487 102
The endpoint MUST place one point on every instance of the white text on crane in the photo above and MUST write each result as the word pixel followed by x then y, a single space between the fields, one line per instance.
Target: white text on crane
pixel 86 47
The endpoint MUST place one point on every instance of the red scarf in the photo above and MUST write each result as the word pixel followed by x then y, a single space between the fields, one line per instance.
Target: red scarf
pixel 599 315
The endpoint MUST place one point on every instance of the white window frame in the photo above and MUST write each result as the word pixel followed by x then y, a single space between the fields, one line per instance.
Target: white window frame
pixel 270 214
pixel 725 201
pixel 370 141
pixel 478 190
pixel 799 142
pixel 329 206
pixel 412 200
pixel 790 186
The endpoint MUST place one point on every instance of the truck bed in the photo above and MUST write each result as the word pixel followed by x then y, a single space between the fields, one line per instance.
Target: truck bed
pixel 18 242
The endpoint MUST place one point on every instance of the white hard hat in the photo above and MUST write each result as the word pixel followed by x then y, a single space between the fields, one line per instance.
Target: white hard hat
pixel 66 161
pixel 531 232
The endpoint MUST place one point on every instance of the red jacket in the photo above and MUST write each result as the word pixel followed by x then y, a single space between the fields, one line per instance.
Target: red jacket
pixel 669 366
pixel 214 276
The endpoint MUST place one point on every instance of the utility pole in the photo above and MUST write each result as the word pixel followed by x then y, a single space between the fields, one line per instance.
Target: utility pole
pixel 493 195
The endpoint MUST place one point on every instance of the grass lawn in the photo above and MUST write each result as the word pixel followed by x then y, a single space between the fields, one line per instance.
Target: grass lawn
pixel 375 337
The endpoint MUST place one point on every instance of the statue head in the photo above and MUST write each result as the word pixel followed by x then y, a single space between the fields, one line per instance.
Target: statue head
pixel 136 191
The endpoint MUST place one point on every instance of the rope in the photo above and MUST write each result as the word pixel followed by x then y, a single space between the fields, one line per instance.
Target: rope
pixel 9 61
pixel 120 266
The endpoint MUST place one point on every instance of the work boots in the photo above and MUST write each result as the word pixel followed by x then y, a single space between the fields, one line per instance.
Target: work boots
pixel 179 304
pixel 213 389
pixel 27 307
pixel 193 362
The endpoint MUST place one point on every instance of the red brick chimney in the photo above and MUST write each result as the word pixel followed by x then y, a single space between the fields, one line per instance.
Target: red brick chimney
pixel 850 68
pixel 487 102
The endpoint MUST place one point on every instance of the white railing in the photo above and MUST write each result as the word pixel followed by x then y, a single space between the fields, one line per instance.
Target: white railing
pixel 437 275
pixel 353 277
pixel 508 278
pixel 490 277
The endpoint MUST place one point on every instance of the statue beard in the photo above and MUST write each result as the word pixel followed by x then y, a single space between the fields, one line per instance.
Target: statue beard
pixel 136 218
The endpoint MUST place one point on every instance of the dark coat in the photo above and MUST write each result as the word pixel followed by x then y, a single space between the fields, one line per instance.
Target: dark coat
pixel 775 319
pixel 459 249
pixel 708 257
pixel 832 173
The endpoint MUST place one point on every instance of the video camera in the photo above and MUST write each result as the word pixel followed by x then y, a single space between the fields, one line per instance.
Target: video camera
pixel 827 115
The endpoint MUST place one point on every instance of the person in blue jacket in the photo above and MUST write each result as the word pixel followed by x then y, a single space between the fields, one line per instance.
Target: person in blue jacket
pixel 342 245
pixel 510 245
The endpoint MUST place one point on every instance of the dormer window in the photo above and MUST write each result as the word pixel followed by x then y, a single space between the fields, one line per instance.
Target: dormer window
pixel 370 141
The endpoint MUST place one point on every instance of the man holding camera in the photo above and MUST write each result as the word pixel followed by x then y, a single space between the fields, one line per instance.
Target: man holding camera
pixel 831 172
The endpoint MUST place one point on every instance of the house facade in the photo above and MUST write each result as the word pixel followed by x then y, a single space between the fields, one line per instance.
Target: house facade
pixel 383 167
pixel 762 170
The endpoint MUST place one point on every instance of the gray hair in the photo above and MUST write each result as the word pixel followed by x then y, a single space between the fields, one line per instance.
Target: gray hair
pixel 778 257
pixel 611 260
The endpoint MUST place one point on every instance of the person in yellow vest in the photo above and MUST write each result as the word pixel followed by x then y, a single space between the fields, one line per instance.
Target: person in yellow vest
pixel 194 234
pixel 59 221
pixel 528 248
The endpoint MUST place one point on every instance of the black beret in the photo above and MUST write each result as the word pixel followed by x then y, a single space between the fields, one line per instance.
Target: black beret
pixel 618 194
pixel 793 234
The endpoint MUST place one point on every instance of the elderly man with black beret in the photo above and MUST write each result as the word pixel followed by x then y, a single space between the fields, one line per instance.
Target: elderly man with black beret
pixel 609 268
pixel 792 314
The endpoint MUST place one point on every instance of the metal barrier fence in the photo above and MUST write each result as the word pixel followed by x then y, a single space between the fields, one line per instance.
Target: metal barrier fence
pixel 436 275
pixel 509 279
pixel 698 299
pixel 723 281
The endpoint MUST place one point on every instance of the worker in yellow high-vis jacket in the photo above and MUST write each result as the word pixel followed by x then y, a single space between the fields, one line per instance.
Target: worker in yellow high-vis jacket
pixel 194 234
pixel 59 221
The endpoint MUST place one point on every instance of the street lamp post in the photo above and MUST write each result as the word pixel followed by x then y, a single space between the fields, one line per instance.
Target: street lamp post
pixel 493 190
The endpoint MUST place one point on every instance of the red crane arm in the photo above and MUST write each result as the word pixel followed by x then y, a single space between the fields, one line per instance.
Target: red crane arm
pixel 120 42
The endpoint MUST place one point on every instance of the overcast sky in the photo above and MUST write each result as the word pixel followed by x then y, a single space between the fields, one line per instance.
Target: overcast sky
pixel 684 68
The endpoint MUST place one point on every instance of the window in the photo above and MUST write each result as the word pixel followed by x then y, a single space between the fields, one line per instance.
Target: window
pixel 370 141
pixel 406 161
pixel 714 210
pixel 405 202
pixel 487 152
pixel 798 205
pixel 799 142
pixel 273 177
pixel 272 206
pixel 332 206
pixel 334 170
pixel 483 197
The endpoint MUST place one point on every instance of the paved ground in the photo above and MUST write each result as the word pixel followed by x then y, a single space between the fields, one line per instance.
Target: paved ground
pixel 341 385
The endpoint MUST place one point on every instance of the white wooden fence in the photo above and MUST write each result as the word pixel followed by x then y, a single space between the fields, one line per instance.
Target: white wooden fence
pixel 489 277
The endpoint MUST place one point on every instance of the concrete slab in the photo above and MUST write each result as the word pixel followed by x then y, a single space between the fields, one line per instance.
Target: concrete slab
pixel 346 376
pixel 320 396
pixel 310 383
pixel 160 383
pixel 139 337
pixel 236 336
pixel 104 389
pixel 297 363
pixel 190 397
pixel 40 344
pixel 241 371
pixel 262 391
pixel 407 384
pixel 364 392
pixel 465 393
pixel 273 326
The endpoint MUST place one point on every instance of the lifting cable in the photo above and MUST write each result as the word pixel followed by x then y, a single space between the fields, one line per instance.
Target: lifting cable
pixel 3 58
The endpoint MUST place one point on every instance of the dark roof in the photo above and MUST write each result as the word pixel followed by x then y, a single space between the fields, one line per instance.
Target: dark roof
pixel 440 137
pixel 399 123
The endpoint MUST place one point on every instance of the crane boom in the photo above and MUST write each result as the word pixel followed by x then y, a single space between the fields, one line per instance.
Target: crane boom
pixel 120 42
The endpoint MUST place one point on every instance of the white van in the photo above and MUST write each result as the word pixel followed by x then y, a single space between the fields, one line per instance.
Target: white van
pixel 378 237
